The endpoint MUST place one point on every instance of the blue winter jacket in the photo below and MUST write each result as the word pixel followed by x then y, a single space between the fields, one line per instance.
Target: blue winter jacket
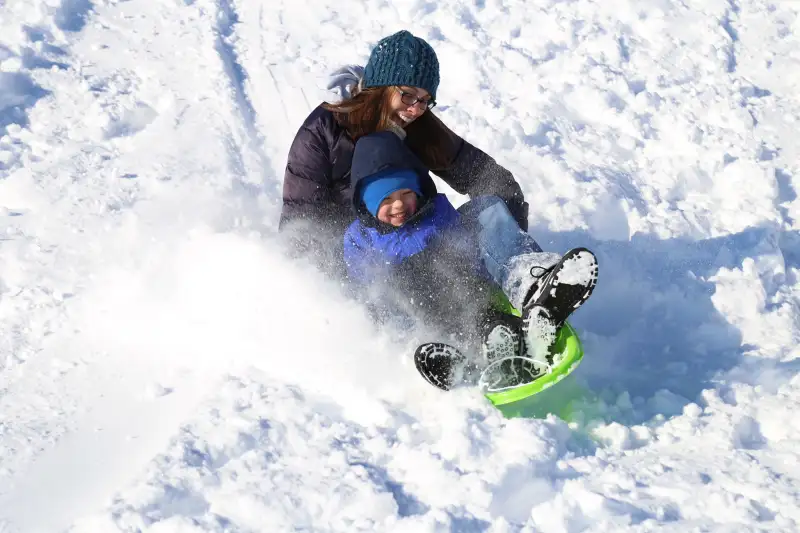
pixel 371 252
pixel 431 260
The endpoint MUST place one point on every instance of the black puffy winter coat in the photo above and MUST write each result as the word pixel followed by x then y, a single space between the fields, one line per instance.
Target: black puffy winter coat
pixel 317 197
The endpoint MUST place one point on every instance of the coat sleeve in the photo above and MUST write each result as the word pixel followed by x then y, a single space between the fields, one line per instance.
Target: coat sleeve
pixel 371 279
pixel 306 182
pixel 359 257
pixel 311 220
pixel 471 171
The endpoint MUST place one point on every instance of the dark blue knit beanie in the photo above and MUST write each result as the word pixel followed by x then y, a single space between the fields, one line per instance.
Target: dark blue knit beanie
pixel 402 59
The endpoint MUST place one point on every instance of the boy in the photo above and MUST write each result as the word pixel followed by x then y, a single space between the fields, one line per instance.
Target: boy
pixel 412 251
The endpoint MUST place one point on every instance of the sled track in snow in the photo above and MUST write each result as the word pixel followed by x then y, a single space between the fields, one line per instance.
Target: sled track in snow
pixel 226 20
pixel 727 25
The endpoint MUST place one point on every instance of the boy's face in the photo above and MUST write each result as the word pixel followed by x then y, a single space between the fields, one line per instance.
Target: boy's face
pixel 398 207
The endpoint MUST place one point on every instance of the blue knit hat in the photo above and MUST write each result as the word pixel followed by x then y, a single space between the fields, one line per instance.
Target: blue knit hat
pixel 402 59
pixel 375 189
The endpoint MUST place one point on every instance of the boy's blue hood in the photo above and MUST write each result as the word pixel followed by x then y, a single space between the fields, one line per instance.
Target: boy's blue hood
pixel 382 151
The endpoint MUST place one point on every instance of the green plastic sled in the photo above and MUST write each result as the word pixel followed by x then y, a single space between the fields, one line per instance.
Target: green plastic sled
pixel 540 397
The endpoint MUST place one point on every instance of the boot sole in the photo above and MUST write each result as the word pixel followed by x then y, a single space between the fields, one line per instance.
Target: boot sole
pixel 436 362
pixel 562 299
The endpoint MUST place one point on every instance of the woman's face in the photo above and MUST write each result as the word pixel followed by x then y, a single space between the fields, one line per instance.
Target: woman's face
pixel 398 207
pixel 407 104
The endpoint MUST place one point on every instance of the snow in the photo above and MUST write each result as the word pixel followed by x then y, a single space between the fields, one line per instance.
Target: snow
pixel 580 269
pixel 165 367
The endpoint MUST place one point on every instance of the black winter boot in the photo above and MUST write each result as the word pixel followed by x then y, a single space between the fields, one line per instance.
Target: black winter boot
pixel 444 366
pixel 562 289
pixel 500 336
pixel 559 291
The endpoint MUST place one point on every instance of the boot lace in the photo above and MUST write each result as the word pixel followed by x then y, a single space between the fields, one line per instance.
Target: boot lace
pixel 539 271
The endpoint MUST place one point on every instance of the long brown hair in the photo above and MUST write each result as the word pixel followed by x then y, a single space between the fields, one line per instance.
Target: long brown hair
pixel 364 113
pixel 368 111
pixel 433 142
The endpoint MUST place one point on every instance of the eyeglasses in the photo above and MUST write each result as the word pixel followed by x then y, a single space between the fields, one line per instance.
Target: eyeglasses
pixel 412 99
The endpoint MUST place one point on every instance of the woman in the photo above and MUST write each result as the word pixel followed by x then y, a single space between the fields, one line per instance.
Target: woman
pixel 396 93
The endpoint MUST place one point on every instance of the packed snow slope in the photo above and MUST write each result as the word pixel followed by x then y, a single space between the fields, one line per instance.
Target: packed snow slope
pixel 165 368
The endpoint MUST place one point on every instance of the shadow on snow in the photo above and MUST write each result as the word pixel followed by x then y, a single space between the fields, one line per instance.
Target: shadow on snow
pixel 651 323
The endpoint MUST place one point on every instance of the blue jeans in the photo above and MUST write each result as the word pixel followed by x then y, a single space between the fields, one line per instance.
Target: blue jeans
pixel 507 252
